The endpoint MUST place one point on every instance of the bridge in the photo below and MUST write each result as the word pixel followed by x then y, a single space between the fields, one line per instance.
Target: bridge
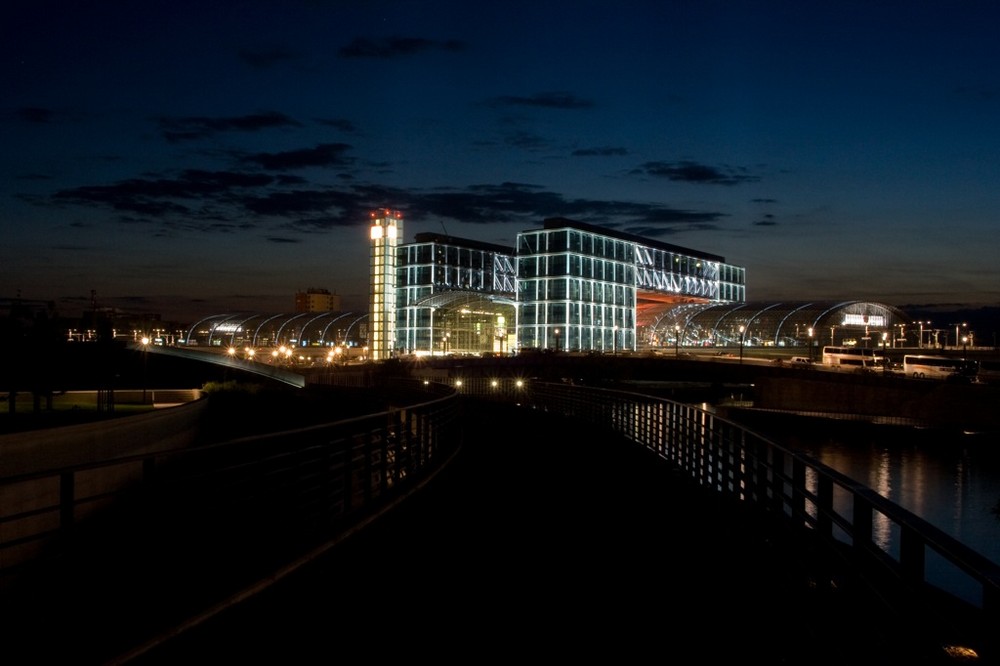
pixel 522 515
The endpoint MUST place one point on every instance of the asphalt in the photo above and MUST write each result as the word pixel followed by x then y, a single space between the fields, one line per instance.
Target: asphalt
pixel 542 540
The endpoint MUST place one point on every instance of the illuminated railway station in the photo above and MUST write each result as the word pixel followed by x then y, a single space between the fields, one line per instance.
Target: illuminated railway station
pixel 568 286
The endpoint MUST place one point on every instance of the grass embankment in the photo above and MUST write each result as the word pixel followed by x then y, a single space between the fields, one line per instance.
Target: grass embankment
pixel 64 409
pixel 235 409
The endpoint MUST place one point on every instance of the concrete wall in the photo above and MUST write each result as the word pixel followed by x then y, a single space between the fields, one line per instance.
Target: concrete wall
pixel 934 403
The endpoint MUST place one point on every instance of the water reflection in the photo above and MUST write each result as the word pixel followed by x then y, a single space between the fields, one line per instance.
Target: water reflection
pixel 949 480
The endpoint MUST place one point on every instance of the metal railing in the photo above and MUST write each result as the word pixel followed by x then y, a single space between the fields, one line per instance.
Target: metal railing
pixel 913 565
pixel 295 487
pixel 291 488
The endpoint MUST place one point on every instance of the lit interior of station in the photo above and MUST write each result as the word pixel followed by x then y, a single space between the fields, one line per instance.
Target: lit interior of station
pixel 567 286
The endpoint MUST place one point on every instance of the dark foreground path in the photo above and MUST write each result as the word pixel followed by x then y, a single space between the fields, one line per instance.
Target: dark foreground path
pixel 546 541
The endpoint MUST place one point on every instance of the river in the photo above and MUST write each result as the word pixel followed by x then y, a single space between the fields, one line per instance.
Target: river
pixel 950 479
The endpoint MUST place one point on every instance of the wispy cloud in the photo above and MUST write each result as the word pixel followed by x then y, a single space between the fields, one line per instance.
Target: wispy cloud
pixel 693 172
pixel 198 127
pixel 392 47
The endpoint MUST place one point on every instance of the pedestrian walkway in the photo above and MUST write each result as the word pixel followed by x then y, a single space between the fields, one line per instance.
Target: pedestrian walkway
pixel 546 540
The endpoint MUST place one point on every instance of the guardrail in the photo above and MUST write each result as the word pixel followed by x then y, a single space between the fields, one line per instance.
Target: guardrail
pixel 294 487
pixel 286 488
pixel 920 571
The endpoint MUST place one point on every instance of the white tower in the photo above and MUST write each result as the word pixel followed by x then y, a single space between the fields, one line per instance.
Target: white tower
pixel 386 230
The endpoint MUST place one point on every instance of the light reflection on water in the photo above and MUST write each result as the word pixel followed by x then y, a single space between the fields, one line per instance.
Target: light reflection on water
pixel 950 480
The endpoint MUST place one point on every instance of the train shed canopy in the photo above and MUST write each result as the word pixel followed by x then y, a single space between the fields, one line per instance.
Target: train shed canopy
pixel 781 324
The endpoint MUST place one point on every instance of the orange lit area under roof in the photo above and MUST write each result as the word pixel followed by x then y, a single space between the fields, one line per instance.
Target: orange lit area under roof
pixel 650 304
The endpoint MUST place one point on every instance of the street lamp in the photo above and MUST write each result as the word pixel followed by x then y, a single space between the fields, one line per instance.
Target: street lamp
pixel 743 330
pixel 963 325
pixel 885 355
pixel 556 333
pixel 145 347
pixel 810 343
pixel 965 342
pixel 677 340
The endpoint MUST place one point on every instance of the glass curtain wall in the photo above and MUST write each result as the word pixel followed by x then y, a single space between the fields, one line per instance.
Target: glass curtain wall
pixel 576 291
pixel 444 287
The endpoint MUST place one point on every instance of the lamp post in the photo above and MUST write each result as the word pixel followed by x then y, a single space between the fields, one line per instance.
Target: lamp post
pixel 965 348
pixel 810 343
pixel 677 340
pixel 145 347
pixel 885 355
pixel 743 330
pixel 556 333
pixel 614 341
pixel 232 355
pixel 963 325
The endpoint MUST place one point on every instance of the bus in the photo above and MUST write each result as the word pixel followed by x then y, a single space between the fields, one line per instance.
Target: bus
pixel 989 372
pixel 851 356
pixel 937 367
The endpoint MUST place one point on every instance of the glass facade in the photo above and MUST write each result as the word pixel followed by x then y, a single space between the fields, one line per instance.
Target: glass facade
pixel 455 296
pixel 580 287
pixel 386 231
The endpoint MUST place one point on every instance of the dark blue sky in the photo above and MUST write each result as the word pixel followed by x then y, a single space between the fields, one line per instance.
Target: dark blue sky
pixel 192 158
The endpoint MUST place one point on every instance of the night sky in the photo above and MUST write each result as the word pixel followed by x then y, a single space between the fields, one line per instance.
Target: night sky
pixel 195 158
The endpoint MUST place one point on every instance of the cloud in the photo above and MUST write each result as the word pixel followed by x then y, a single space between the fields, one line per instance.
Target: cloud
pixel 546 100
pixel 297 202
pixel 156 197
pixel 392 47
pixel 199 127
pixel 526 141
pixel 226 201
pixel 323 155
pixel 521 203
pixel 341 124
pixel 692 172
pixel 606 151
pixel 282 239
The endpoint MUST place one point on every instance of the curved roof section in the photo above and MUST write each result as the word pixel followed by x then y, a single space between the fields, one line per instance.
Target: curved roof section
pixel 777 323
pixel 261 329
pixel 451 299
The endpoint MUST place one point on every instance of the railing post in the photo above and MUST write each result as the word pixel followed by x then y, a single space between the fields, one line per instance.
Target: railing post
pixel 777 482
pixel 67 500
pixel 824 506
pixel 861 524
pixel 798 492
pixel 912 555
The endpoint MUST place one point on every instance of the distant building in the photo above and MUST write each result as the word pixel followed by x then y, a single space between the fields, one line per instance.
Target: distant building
pixel 317 300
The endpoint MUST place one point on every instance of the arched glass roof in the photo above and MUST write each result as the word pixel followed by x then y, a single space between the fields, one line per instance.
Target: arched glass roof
pixel 789 323
pixel 260 329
